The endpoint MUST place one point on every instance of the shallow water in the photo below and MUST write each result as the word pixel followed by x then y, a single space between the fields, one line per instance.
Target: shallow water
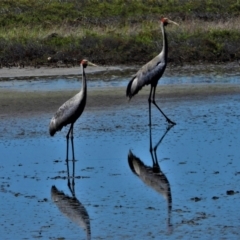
pixel 199 157
pixel 72 82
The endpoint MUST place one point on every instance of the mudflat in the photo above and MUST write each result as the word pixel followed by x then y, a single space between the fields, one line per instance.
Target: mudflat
pixel 17 103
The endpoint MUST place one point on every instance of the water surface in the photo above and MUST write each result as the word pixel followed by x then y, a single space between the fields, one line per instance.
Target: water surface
pixel 199 157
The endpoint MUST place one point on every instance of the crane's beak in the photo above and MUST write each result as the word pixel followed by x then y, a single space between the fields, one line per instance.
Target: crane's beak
pixel 92 64
pixel 170 21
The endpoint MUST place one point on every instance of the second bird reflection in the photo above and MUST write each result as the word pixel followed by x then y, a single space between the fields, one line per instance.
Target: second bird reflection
pixel 153 176
pixel 70 206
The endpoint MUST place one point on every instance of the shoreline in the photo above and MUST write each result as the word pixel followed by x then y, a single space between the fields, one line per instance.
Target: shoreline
pixel 31 72
pixel 103 71
pixel 25 104
pixel 14 103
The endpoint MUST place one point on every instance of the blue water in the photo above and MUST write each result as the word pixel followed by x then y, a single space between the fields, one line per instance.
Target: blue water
pixel 199 156
pixel 73 83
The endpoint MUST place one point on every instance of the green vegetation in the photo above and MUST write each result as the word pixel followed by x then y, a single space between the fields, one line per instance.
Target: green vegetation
pixel 117 31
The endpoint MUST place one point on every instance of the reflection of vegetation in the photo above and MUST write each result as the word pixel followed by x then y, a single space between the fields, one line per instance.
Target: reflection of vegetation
pixel 119 31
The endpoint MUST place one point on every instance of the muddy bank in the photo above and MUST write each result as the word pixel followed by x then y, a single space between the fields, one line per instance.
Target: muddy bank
pixel 49 72
pixel 118 70
pixel 18 103
pixel 14 103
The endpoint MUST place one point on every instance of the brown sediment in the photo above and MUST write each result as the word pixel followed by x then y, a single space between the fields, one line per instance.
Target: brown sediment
pixel 16 103
pixel 31 72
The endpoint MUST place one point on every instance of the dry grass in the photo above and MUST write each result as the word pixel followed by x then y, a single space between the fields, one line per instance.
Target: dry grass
pixel 30 31
pixel 65 30
pixel 191 26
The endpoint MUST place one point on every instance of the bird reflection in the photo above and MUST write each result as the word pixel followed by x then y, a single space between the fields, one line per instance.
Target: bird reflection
pixel 153 176
pixel 70 206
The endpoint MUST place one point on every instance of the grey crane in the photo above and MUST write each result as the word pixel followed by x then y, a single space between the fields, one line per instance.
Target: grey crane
pixel 151 72
pixel 72 109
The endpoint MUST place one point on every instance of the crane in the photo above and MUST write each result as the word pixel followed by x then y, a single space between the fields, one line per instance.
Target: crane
pixel 151 72
pixel 72 109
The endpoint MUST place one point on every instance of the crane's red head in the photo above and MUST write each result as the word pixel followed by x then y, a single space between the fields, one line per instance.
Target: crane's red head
pixel 85 63
pixel 166 21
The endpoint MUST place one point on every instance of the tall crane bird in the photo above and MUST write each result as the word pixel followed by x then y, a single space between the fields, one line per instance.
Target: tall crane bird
pixel 151 72
pixel 72 109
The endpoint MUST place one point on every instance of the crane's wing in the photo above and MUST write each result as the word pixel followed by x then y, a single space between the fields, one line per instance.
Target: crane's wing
pixel 67 113
pixel 150 73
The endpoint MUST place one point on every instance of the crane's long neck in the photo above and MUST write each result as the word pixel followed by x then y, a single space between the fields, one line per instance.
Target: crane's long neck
pixel 165 43
pixel 84 82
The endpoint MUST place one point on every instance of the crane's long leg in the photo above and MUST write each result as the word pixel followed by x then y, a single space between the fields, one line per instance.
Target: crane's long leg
pixel 67 160
pixel 153 101
pixel 67 151
pixel 73 156
pixel 73 159
pixel 67 139
pixel 151 148
pixel 149 107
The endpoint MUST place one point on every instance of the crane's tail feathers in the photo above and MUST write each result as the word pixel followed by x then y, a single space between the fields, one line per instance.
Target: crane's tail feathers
pixel 128 91
pixel 52 132
pixel 52 127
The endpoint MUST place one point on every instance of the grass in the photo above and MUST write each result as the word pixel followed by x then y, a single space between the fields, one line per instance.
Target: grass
pixel 117 31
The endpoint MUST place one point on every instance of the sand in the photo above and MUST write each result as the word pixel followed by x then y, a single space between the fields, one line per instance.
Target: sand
pixel 31 72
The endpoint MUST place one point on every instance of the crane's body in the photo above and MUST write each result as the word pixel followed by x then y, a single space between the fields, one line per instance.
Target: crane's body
pixel 146 75
pixel 151 72
pixel 72 109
